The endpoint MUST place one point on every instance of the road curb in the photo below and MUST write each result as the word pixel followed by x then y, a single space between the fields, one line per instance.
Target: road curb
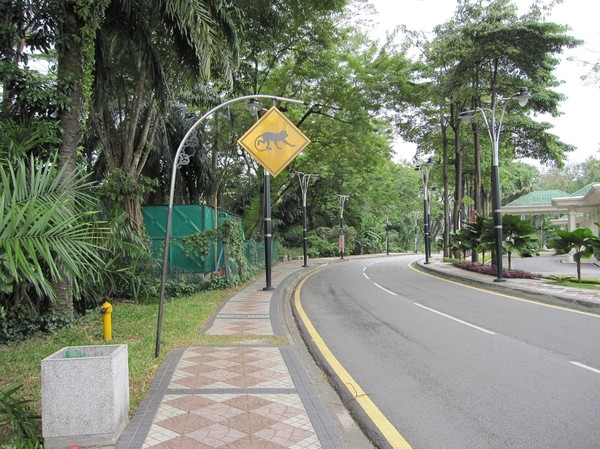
pixel 361 418
pixel 510 286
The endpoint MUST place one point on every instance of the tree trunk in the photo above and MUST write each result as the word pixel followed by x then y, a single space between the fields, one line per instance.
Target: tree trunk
pixel 70 79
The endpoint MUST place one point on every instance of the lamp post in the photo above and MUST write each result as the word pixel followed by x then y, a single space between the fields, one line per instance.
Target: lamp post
pixel 416 239
pixel 387 231
pixel 253 107
pixel 494 128
pixel 342 240
pixel 424 170
pixel 304 179
pixel 253 99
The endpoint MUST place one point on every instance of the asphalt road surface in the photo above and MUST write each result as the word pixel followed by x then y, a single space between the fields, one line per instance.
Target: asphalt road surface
pixel 456 367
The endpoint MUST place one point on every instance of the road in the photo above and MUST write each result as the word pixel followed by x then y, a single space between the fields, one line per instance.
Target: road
pixel 451 366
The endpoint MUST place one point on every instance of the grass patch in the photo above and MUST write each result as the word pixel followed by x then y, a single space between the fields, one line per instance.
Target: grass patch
pixel 569 281
pixel 133 325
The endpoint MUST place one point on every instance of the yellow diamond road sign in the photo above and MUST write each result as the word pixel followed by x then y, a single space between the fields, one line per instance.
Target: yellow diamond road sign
pixel 274 141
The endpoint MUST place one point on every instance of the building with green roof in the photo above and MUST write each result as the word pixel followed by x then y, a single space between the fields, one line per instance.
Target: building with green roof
pixel 582 208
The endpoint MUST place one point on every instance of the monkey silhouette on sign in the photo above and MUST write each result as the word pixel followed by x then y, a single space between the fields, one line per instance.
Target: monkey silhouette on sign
pixel 263 142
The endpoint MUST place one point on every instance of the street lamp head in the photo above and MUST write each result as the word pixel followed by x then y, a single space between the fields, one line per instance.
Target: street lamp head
pixel 466 115
pixel 425 165
pixel 253 106
pixel 523 96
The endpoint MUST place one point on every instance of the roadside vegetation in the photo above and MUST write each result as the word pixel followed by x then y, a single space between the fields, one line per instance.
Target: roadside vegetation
pixel 571 281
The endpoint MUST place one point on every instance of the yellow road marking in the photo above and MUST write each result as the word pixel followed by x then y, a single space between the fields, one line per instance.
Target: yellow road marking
pixel 492 292
pixel 390 433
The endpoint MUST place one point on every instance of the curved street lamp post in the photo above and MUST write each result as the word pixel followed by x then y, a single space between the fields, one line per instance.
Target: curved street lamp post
pixel 342 238
pixel 424 170
pixel 253 106
pixel 494 128
pixel 304 179
pixel 387 231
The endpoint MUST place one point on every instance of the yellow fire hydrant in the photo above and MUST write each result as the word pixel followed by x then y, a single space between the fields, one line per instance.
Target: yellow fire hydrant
pixel 106 311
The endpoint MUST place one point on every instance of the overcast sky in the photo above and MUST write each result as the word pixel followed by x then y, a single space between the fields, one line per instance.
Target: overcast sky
pixel 579 125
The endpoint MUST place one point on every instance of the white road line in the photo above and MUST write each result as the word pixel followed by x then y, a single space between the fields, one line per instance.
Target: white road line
pixel 581 365
pixel 384 289
pixel 365 275
pixel 456 319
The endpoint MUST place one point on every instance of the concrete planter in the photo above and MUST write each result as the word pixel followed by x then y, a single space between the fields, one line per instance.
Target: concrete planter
pixel 85 396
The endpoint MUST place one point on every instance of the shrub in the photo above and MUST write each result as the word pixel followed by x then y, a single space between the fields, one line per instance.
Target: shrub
pixel 19 426
pixel 18 324
pixel 491 270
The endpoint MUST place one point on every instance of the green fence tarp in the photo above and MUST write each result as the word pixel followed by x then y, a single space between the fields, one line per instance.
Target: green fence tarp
pixel 188 220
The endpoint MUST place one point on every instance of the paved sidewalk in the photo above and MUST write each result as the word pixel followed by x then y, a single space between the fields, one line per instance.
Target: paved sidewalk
pixel 244 396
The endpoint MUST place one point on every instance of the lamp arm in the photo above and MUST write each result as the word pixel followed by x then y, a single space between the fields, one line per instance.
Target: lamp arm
pixel 488 125
pixel 206 115
pixel 500 123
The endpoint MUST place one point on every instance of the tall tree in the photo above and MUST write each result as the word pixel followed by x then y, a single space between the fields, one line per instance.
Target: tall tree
pixel 145 57
pixel 484 53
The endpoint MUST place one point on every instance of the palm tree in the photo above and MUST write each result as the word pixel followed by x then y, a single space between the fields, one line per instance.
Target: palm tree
pixel 581 242
pixel 46 231
pixel 518 238
pixel 198 31
pixel 145 57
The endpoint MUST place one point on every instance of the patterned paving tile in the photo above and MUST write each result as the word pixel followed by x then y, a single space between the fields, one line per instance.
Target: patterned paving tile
pixel 238 367
pixel 240 327
pixel 223 421
pixel 245 307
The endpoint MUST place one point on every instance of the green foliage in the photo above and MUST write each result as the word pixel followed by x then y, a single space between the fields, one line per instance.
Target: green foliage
pixel 220 282
pixel 120 186
pixel 33 137
pixel 519 238
pixel 17 324
pixel 181 288
pixel 581 242
pixel 319 246
pixel 127 267
pixel 46 227
pixel 229 233
pixel 475 236
pixel 19 426
pixel 199 242
pixel 324 241
pixel 462 241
